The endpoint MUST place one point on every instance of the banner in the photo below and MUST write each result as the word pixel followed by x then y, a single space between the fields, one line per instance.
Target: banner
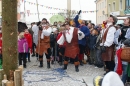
pixel 52 8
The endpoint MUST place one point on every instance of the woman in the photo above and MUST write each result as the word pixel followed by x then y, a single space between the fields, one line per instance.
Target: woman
pixel 122 38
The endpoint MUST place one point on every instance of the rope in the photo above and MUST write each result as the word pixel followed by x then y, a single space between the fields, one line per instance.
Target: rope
pixel 53 75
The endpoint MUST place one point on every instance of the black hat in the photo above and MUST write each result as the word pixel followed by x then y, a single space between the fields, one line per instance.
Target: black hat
pixel 114 18
pixel 44 19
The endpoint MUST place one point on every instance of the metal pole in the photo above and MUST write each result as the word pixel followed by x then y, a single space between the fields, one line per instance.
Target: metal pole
pixel 24 12
pixel 37 10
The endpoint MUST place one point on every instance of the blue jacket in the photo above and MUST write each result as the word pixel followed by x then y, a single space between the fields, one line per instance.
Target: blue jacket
pixel 76 21
pixel 86 31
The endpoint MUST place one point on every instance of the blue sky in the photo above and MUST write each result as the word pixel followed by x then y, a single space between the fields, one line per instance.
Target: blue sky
pixel 86 5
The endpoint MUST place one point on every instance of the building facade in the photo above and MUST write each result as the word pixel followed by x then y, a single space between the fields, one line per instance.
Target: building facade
pixel 101 7
pixel 116 7
pixel 127 7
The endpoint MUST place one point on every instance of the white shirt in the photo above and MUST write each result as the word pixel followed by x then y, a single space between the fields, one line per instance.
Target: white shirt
pixel 110 36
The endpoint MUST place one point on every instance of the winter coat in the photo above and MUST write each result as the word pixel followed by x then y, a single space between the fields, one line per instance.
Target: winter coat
pixel 22 45
pixel 86 32
pixel 29 39
pixel 92 41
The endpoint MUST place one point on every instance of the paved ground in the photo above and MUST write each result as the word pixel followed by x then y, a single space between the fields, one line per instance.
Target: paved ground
pixel 35 76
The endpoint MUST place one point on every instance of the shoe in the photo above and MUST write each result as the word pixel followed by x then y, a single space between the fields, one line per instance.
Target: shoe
pixel 48 65
pixel 76 68
pixel 33 55
pixel 52 62
pixel 100 66
pixel 29 61
pixel 65 67
pixel 96 67
pixel 81 63
pixel 60 63
pixel 41 64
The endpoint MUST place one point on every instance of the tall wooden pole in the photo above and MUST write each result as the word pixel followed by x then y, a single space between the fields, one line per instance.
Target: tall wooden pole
pixel 9 35
pixel 69 9
pixel 37 10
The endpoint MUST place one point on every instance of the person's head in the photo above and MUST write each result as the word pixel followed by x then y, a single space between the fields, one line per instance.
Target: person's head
pixel 127 21
pixel 44 21
pixel 93 25
pixel 55 23
pixel 83 22
pixel 26 31
pixel 127 43
pixel 39 23
pixel 21 35
pixel 67 25
pixel 112 19
pixel 54 26
pixel 94 32
pixel 55 30
pixel 62 28
pixel 32 24
pixel 89 25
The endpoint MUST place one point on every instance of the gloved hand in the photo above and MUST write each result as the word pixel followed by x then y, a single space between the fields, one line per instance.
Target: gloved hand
pixel 79 12
pixel 80 34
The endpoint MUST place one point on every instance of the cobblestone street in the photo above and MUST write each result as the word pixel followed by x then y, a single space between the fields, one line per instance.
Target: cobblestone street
pixel 35 76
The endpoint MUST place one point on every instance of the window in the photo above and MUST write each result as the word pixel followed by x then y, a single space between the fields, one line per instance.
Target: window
pixel 113 6
pixel 127 4
pixel 109 9
pixel 120 4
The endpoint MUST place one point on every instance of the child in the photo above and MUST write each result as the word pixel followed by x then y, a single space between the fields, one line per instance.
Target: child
pixel 92 42
pixel 28 37
pixel 61 47
pixel 22 49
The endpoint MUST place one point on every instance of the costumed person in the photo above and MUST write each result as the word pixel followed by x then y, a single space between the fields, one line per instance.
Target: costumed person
pixel 43 45
pixel 82 43
pixel 33 44
pixel 22 49
pixel 61 46
pixel 82 27
pixel 28 36
pixel 54 45
pixel 107 43
pixel 0 47
pixel 71 36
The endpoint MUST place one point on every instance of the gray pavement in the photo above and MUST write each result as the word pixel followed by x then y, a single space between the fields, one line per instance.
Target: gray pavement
pixel 35 76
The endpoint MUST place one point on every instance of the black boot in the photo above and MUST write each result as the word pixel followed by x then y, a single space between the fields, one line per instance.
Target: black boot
pixel 29 57
pixel 48 64
pixel 41 64
pixel 81 63
pixel 65 67
pixel 76 68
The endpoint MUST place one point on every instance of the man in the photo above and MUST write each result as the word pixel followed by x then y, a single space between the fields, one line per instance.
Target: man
pixel 33 44
pixel 43 45
pixel 107 45
pixel 71 36
pixel 82 43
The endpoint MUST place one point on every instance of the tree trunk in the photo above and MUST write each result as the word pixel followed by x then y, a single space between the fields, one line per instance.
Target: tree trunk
pixel 9 35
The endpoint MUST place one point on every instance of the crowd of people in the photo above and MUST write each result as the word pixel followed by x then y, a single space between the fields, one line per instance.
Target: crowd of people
pixel 67 43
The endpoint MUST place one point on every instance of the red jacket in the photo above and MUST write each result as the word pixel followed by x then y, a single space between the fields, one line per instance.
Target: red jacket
pixel 58 37
pixel 29 39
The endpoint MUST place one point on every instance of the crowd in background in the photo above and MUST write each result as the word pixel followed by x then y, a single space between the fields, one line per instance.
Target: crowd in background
pixel 31 43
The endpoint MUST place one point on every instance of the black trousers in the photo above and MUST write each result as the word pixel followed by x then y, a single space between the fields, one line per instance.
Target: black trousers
pixel 110 65
pixel 47 55
pixel 33 48
pixel 82 48
pixel 75 60
pixel 22 57
pixel 61 51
